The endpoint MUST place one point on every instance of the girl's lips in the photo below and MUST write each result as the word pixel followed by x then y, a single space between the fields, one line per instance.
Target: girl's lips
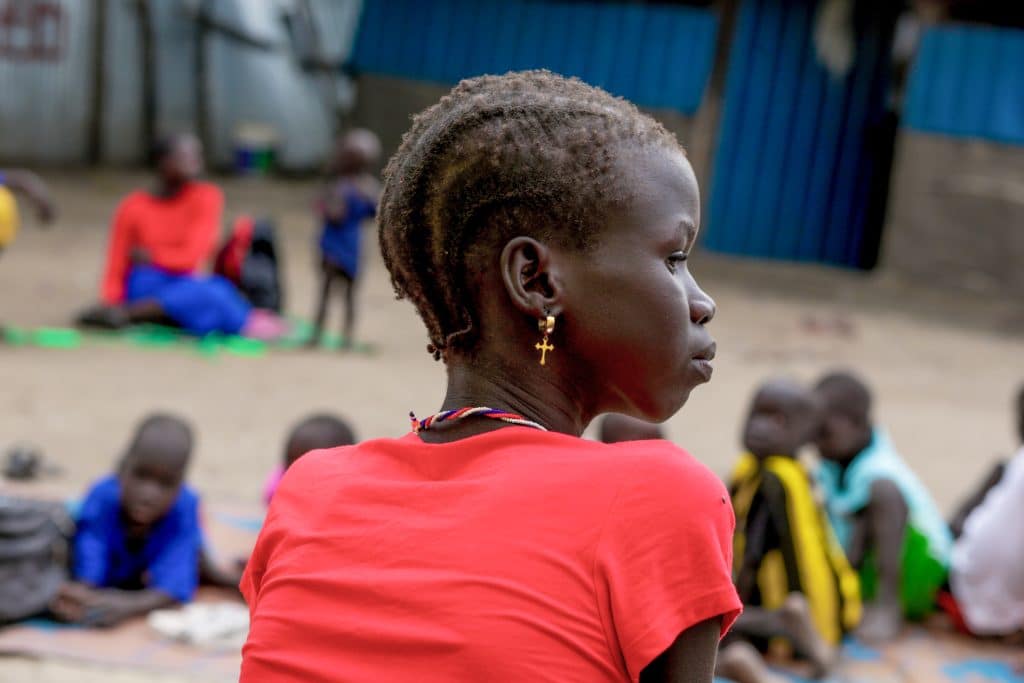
pixel 703 367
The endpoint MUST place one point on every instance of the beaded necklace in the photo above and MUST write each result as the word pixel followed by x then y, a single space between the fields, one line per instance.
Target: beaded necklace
pixel 462 413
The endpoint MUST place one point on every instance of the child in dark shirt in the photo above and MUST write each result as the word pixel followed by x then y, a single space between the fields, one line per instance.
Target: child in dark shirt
pixel 138 538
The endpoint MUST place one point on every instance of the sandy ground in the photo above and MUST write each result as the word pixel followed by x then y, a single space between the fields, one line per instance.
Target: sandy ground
pixel 944 366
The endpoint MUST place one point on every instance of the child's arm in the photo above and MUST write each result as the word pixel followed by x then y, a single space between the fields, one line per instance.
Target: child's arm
pixel 213 573
pixel 333 203
pixel 32 188
pixel 767 530
pixel 119 255
pixel 78 603
pixel 976 498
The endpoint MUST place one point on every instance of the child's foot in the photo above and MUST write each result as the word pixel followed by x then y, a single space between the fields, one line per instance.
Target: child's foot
pixel 807 641
pixel 104 318
pixel 264 325
pixel 882 621
pixel 741 662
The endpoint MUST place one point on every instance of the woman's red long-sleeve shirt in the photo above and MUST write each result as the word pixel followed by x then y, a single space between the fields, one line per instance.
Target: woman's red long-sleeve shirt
pixel 177 234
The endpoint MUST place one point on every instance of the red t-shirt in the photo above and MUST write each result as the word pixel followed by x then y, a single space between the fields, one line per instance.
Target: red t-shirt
pixel 178 233
pixel 515 555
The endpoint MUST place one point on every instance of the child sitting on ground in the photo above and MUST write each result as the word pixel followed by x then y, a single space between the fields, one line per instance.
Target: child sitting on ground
pixel 349 198
pixel 616 428
pixel 137 544
pixel 791 574
pixel 885 518
pixel 313 433
pixel 987 574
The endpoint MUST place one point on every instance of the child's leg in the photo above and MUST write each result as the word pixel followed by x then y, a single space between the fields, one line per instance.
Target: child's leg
pixel 792 621
pixel 118 317
pixel 350 311
pixel 741 662
pixel 326 279
pixel 884 531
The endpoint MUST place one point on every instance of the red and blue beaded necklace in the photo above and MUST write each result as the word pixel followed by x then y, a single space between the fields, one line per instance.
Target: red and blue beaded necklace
pixel 462 413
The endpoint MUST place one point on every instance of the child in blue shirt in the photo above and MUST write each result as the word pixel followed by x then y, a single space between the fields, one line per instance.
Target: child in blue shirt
pixel 350 197
pixel 138 538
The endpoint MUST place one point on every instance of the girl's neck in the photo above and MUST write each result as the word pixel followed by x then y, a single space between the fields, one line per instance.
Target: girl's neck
pixel 533 393
pixel 169 189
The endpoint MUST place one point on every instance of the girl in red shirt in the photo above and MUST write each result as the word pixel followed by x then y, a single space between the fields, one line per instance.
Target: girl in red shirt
pixel 542 229
pixel 160 242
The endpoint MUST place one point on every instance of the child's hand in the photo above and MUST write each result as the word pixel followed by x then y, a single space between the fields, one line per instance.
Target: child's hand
pixel 334 207
pixel 46 210
pixel 140 256
pixel 70 602
pixel 77 603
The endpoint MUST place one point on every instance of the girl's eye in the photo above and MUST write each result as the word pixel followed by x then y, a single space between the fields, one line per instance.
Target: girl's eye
pixel 676 259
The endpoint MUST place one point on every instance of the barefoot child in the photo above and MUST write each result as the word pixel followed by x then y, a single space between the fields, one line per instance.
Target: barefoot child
pixel 885 518
pixel 349 199
pixel 138 540
pixel 542 228
pixel 987 575
pixel 792 576
pixel 616 428
pixel 313 433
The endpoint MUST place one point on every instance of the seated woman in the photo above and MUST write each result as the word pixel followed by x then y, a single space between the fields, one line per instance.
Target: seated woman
pixel 159 242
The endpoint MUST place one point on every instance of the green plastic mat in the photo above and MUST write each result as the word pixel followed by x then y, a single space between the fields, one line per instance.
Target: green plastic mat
pixel 43 337
pixel 160 337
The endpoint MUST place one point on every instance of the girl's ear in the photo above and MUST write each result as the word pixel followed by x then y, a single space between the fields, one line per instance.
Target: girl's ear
pixel 531 277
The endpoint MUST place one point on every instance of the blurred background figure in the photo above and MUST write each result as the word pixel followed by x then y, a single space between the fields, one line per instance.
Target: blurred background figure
pixel 15 182
pixel 160 243
pixel 349 199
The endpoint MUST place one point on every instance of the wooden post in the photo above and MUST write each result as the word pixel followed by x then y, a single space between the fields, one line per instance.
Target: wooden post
pixel 99 64
pixel 202 110
pixel 708 119
pixel 149 92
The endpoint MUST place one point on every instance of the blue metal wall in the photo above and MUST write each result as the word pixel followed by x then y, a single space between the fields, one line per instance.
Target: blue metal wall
pixel 655 55
pixel 968 81
pixel 793 165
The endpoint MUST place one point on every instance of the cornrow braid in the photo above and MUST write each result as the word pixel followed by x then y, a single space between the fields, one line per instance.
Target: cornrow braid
pixel 527 153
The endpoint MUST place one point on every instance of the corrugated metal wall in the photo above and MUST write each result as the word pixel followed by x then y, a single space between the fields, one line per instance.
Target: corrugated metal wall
pixel 968 81
pixel 794 164
pixel 46 57
pixel 270 87
pixel 655 55
pixel 46 90
pixel 122 132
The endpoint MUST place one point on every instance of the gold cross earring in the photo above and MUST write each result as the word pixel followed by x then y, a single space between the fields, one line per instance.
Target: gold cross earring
pixel 546 326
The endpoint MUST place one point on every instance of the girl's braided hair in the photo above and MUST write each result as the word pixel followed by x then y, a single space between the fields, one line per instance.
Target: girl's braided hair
pixel 527 153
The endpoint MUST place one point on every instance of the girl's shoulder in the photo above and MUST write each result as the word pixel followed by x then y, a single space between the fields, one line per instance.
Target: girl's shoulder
pixel 664 479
